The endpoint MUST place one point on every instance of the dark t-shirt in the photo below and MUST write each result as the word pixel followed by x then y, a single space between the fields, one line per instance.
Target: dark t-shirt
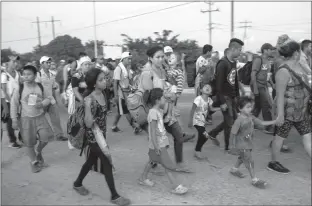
pixel 76 80
pixel 226 79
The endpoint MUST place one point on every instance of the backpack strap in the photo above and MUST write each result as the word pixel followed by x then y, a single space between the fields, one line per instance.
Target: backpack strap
pixel 21 89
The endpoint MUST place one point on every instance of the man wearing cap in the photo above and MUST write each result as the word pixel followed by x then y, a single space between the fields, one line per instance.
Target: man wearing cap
pixel 305 57
pixel 47 79
pixel 168 51
pixel 261 67
pixel 122 78
pixel 10 81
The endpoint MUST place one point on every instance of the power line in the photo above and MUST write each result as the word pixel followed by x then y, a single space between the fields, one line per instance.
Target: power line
pixel 245 26
pixel 210 19
pixel 108 22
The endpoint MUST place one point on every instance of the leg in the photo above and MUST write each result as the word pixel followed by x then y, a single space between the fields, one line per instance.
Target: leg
pixel 304 129
pixel 234 171
pixel 147 169
pixel 56 122
pixel 228 122
pixel 249 163
pixel 265 104
pixel 171 178
pixel 176 131
pixel 307 143
pixel 201 140
pixel 214 132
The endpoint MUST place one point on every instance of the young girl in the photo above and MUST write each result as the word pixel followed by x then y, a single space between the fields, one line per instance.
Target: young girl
pixel 159 143
pixel 242 135
pixel 202 104
pixel 95 120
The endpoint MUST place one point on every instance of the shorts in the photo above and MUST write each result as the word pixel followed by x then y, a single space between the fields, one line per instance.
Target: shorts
pixel 122 107
pixel 31 126
pixel 303 127
pixel 163 159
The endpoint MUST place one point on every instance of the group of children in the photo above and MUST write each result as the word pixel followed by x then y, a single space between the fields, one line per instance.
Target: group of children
pixel 33 102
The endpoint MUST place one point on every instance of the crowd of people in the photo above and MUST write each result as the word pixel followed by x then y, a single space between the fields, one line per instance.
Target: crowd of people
pixel 29 93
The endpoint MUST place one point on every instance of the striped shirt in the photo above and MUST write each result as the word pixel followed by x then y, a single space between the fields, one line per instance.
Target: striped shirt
pixel 176 77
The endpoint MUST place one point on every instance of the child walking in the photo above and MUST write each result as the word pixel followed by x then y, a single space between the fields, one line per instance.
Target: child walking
pixel 95 120
pixel 202 104
pixel 32 100
pixel 159 143
pixel 242 135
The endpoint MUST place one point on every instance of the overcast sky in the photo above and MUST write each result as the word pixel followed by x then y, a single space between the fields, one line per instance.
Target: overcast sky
pixel 269 20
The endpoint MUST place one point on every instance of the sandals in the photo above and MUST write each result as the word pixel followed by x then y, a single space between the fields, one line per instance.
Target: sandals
pixel 180 190
pixel 237 173
pixel 121 201
pixel 81 190
pixel 259 183
pixel 146 182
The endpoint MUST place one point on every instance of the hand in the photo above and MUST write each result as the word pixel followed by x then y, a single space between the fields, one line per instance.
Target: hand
pixel 5 113
pixel 14 124
pixel 256 92
pixel 280 120
pixel 157 151
pixel 39 105
pixel 87 101
pixel 223 107
pixel 82 85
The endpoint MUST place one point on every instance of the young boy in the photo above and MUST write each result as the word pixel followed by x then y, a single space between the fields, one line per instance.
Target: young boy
pixel 159 143
pixel 198 115
pixel 242 134
pixel 32 116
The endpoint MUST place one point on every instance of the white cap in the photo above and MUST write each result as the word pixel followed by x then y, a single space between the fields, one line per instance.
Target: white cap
pixel 125 55
pixel 168 49
pixel 44 59
pixel 84 59
pixel 63 61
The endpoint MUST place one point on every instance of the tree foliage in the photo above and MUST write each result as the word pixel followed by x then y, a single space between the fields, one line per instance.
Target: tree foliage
pixel 89 48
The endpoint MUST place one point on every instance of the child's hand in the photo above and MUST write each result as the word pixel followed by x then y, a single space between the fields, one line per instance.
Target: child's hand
pixel 39 105
pixel 279 121
pixel 157 151
pixel 14 124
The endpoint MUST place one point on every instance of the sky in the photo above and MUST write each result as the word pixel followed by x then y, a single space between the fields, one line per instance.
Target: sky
pixel 268 21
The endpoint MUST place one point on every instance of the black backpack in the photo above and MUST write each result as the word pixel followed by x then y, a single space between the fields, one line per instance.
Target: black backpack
pixel 244 74
pixel 190 68
pixel 21 88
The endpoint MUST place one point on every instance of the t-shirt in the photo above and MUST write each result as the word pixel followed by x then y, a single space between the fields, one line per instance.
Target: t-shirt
pixel 161 136
pixel 262 73
pixel 243 131
pixel 47 82
pixel 200 114
pixel 226 79
pixel 78 81
pixel 12 83
pixel 123 75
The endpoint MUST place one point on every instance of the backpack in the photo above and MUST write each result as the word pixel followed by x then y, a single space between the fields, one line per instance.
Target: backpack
pixel 244 74
pixel 21 89
pixel 190 68
pixel 76 128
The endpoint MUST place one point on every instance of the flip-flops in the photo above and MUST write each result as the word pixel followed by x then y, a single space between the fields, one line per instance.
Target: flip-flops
pixel 180 190
pixel 121 201
pixel 146 182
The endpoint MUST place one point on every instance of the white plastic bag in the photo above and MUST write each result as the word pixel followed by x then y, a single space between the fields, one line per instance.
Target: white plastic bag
pixel 71 100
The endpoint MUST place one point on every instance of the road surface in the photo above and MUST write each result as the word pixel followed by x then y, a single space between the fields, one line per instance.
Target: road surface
pixel 207 185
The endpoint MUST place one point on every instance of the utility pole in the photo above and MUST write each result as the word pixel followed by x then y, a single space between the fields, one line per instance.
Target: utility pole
pixel 38 28
pixel 210 19
pixel 232 19
pixel 53 28
pixel 245 26
pixel 94 26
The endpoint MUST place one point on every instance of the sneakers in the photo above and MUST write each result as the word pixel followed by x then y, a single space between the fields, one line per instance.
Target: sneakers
pixel 40 159
pixel 115 129
pixel 278 167
pixel 259 183
pixel 235 172
pixel 15 145
pixel 136 130
pixel 35 167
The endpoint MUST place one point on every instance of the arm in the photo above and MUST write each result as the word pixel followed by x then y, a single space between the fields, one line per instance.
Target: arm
pixel 220 77
pixel 88 119
pixel 192 115
pixel 214 109
pixel 116 83
pixel 14 106
pixel 4 89
pixel 235 129
pixel 241 88
pixel 259 122
pixel 5 112
pixel 282 77
pixel 255 69
pixel 117 74
pixel 180 82
pixel 153 135
pixel 65 77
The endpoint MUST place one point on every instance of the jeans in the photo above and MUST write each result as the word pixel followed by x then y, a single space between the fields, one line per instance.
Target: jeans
pixel 214 132
pixel 176 131
pixel 263 103
pixel 53 111
pixel 201 140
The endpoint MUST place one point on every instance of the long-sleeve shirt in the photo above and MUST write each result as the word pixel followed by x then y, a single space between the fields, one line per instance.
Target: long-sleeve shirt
pixel 25 102
pixel 177 78
pixel 226 79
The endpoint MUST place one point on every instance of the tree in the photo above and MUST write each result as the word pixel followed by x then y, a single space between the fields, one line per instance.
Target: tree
pixel 62 47
pixel 89 48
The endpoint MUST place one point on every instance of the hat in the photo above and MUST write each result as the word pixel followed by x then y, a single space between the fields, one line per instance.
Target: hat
pixel 84 59
pixel 283 40
pixel 13 58
pixel 168 49
pixel 125 55
pixel 44 59
pixel 62 61
pixel 267 46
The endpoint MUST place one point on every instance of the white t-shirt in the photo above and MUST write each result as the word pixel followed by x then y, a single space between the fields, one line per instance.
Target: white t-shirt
pixel 200 114
pixel 11 82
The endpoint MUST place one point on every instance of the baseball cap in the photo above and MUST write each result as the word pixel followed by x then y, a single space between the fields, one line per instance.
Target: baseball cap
pixel 267 46
pixel 62 61
pixel 168 49
pixel 44 59
pixel 84 59
pixel 125 55
pixel 13 58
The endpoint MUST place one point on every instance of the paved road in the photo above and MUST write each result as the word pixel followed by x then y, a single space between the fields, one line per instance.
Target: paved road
pixel 207 185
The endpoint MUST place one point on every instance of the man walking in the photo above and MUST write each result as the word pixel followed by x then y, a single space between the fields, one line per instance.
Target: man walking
pixel 47 79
